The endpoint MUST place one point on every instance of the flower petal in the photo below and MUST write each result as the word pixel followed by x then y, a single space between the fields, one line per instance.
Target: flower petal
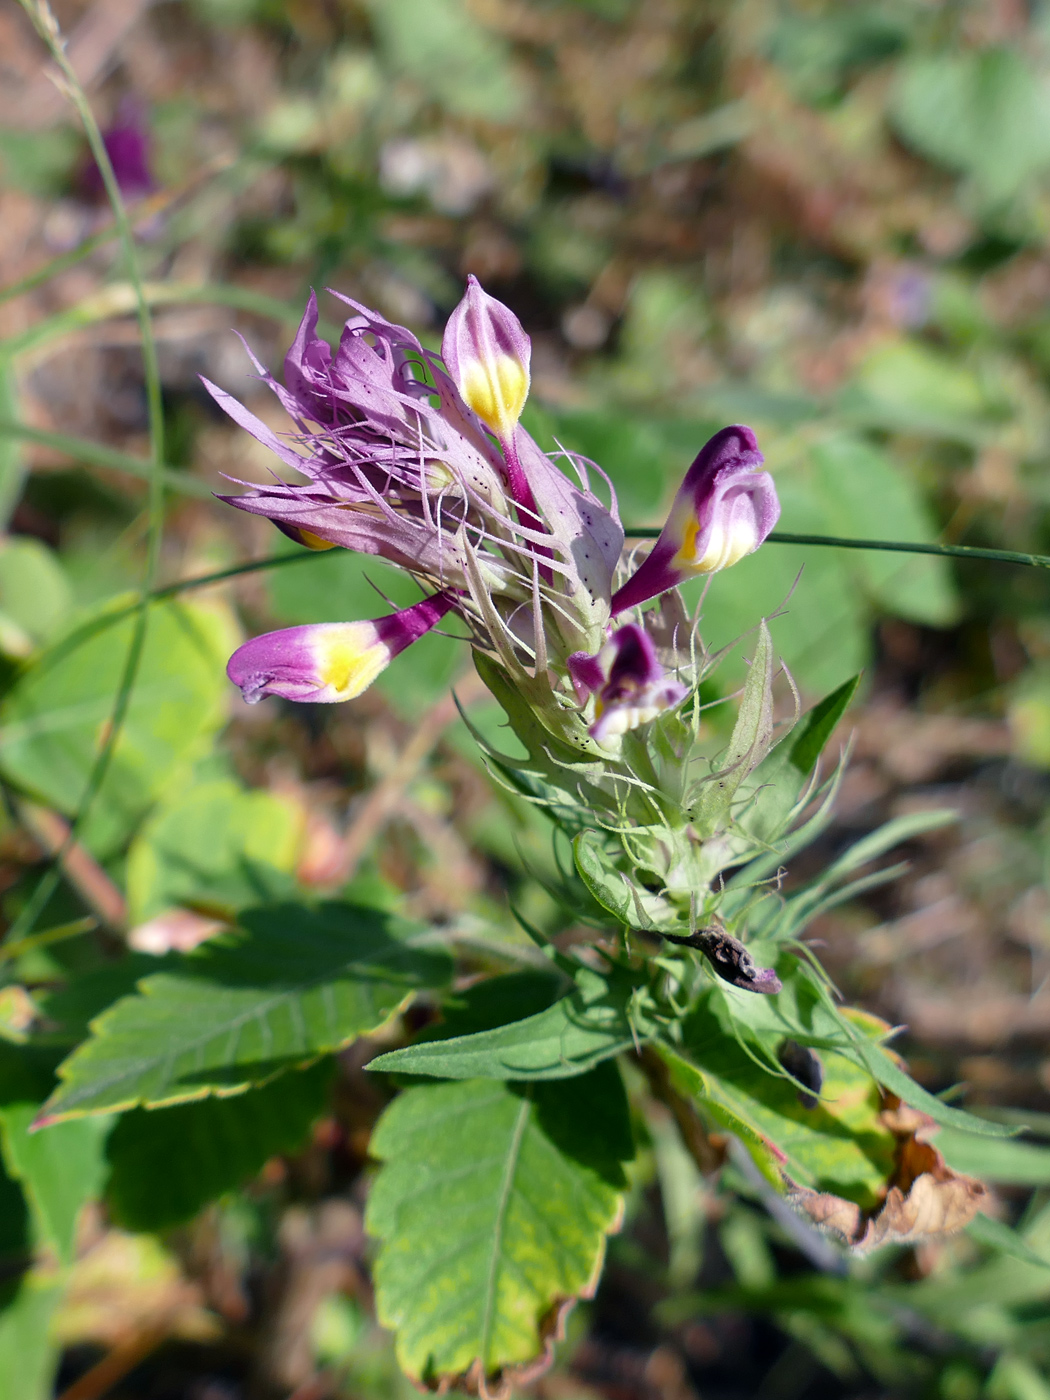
pixel 724 509
pixel 487 354
pixel 329 662
pixel 633 688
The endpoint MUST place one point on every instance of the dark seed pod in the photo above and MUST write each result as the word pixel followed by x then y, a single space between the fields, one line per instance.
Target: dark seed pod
pixel 729 958
pixel 802 1064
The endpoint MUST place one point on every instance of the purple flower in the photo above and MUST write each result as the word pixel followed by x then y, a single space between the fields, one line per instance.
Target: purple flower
pixel 423 461
pixel 487 353
pixel 629 684
pixel 724 509
pixel 394 462
pixel 329 661
pixel 127 144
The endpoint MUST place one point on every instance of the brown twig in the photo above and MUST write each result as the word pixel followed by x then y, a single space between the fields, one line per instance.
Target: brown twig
pixel 382 801
pixel 79 867
pixel 116 1363
pixel 707 1151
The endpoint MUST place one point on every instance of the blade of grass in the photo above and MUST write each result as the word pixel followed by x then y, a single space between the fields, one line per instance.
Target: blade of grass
pixel 954 551
pixel 121 298
pixel 143 213
pixel 46 25
pixel 96 454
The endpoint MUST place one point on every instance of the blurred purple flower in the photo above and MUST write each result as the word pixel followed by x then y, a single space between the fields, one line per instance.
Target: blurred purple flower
pixel 127 144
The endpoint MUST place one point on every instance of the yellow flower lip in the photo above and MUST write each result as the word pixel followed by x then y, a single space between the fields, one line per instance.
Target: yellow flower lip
pixel 487 353
pixel 496 390
pixel 349 658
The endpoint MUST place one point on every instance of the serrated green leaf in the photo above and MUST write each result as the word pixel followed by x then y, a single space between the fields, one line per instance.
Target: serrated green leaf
pixel 165 1164
pixel 492 1207
pixel 53 719
pixel 595 1022
pixel 817 727
pixel 296 984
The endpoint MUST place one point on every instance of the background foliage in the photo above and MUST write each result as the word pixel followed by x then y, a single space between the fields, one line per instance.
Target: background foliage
pixel 829 220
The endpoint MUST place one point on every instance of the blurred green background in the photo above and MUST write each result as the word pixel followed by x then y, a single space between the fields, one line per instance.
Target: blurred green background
pixel 830 221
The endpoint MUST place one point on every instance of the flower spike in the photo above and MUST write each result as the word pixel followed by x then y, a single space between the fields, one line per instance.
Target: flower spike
pixel 724 509
pixel 630 685
pixel 330 661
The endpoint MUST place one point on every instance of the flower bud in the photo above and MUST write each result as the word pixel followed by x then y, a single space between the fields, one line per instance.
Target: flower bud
pixel 487 353
pixel 631 687
pixel 329 661
pixel 724 509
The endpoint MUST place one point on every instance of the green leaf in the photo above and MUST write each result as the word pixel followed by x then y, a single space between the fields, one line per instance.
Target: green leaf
pixel 838 1146
pixel 35 596
pixel 53 720
pixel 59 1171
pixel 28 1356
pixel 865 495
pixel 995 1159
pixel 993 1234
pixel 905 386
pixel 982 111
pixel 216 846
pixel 819 724
pixel 606 884
pixel 888 1072
pixel 440 46
pixel 492 1206
pixel 750 739
pixel 297 984
pixel 595 1022
pixel 165 1164
pixel 60 1168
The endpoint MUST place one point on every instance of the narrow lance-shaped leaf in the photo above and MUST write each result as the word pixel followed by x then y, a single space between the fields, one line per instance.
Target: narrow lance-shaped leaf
pixel 751 736
pixel 819 724
pixel 601 1018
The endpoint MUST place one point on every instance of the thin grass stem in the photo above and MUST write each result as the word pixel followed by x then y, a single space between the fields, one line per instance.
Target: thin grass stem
pixel 47 27
pixel 954 551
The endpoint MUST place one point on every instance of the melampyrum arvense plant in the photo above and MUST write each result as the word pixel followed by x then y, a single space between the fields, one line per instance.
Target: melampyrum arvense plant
pixel 503 1164
pixel 504 1156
